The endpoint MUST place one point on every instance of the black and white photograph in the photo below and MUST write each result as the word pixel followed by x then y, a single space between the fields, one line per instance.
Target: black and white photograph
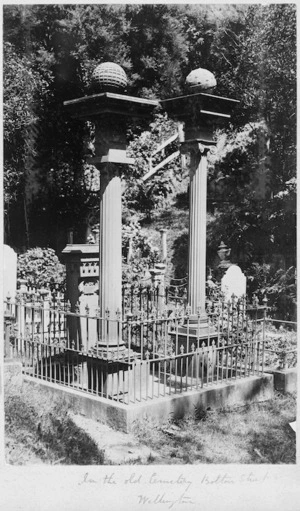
pixel 149 286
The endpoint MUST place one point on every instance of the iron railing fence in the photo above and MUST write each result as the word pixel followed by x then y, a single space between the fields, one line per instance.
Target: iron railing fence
pixel 137 297
pixel 149 356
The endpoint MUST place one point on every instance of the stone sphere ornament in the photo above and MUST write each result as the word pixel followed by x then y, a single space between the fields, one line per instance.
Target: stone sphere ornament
pixel 201 80
pixel 109 77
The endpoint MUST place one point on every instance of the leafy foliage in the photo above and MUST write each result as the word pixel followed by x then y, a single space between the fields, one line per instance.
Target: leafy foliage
pixel 242 194
pixel 278 285
pixel 143 254
pixel 252 185
pixel 280 347
pixel 157 192
pixel 40 267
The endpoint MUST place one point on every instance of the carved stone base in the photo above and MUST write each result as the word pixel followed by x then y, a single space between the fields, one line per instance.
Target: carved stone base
pixel 118 353
pixel 117 377
pixel 199 341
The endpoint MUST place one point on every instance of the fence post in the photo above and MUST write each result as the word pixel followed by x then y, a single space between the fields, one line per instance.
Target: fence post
pixel 8 321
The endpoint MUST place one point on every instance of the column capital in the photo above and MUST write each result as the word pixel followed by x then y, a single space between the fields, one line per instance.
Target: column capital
pixel 198 147
pixel 108 171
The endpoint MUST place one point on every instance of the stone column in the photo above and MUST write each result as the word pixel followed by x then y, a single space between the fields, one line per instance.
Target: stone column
pixel 110 154
pixel 196 328
pixel 197 230
pixel 110 260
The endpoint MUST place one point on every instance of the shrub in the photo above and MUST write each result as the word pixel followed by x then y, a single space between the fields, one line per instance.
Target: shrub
pixel 278 285
pixel 41 267
pixel 280 347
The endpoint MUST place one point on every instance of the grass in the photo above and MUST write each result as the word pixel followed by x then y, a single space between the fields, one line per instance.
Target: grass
pixel 39 430
pixel 255 434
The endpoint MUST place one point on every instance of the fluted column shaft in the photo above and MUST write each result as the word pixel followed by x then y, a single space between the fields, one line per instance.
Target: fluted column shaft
pixel 197 231
pixel 110 260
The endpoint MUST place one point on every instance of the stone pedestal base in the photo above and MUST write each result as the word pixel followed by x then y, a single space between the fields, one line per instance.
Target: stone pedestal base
pixel 110 352
pixel 199 342
pixel 117 372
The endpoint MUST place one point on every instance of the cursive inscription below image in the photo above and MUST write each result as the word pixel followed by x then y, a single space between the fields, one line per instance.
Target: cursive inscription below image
pixel 174 493
pixel 108 479
pixel 163 498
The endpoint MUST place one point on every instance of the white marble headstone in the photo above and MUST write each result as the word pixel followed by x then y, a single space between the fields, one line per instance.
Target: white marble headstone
pixel 233 282
pixel 9 272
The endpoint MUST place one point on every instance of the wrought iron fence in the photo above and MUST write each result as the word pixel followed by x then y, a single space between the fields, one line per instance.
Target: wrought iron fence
pixel 137 297
pixel 152 297
pixel 135 358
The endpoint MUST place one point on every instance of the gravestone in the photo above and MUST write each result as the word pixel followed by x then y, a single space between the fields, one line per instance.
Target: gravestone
pixel 9 272
pixel 233 283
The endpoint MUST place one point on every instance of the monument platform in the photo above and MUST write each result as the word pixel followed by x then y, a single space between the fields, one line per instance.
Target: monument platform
pixel 122 416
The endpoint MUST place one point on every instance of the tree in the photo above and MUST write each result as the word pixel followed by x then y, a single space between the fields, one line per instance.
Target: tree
pixel 50 158
pixel 61 45
pixel 268 49
pixel 23 88
pixel 158 49
pixel 155 193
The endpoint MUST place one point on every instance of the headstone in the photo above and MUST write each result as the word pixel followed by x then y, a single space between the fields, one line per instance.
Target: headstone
pixel 9 272
pixel 233 282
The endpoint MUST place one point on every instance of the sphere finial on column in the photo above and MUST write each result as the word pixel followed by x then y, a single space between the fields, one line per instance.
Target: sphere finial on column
pixel 201 80
pixel 109 77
